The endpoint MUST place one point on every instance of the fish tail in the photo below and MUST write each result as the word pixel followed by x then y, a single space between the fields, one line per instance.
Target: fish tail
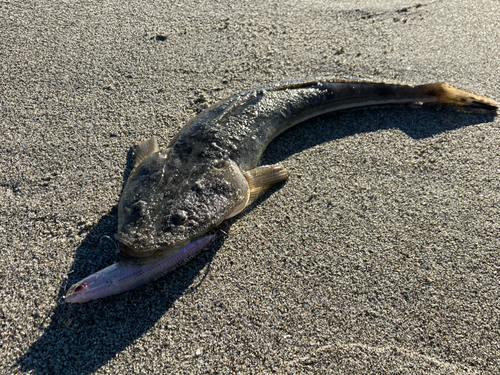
pixel 446 93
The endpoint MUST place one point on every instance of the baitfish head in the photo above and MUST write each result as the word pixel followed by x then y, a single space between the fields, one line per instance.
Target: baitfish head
pixel 171 200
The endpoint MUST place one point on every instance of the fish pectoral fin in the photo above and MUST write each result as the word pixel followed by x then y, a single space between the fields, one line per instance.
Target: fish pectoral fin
pixel 144 149
pixel 262 178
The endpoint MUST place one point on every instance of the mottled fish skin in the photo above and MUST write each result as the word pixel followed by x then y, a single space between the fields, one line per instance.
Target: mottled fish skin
pixel 209 172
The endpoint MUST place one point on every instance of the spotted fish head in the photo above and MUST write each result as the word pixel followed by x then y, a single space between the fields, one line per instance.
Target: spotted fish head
pixel 168 203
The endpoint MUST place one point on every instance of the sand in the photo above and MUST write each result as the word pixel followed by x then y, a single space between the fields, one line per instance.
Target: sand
pixel 379 255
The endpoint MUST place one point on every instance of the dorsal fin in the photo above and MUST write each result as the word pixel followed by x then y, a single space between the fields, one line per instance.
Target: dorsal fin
pixel 144 149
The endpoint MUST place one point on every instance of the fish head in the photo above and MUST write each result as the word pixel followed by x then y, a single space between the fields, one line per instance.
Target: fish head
pixel 85 290
pixel 168 203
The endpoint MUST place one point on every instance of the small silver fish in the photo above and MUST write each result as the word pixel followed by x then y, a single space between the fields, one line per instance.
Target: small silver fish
pixel 209 172
pixel 121 276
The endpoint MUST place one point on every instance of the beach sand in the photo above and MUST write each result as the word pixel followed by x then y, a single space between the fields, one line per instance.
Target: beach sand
pixel 380 253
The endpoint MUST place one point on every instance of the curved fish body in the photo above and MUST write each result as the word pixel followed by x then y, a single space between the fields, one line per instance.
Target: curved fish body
pixel 209 172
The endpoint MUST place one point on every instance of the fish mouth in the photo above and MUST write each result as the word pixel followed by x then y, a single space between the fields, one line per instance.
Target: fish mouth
pixel 132 254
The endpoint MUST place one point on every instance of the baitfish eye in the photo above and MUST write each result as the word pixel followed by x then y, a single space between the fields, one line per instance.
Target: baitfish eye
pixel 80 287
pixel 178 218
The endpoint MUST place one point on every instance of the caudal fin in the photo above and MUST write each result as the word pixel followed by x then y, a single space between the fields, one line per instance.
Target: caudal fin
pixel 446 93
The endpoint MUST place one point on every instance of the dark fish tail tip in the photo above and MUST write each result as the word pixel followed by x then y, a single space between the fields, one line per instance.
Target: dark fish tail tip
pixel 446 93
pixel 484 105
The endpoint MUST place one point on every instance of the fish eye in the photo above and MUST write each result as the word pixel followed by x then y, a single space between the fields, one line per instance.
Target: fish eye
pixel 178 218
pixel 220 164
pixel 80 287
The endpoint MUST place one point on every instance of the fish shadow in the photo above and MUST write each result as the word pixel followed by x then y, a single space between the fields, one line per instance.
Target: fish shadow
pixel 418 122
pixel 81 338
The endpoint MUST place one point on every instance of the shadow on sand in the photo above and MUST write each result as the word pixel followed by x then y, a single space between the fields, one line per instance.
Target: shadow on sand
pixel 81 338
